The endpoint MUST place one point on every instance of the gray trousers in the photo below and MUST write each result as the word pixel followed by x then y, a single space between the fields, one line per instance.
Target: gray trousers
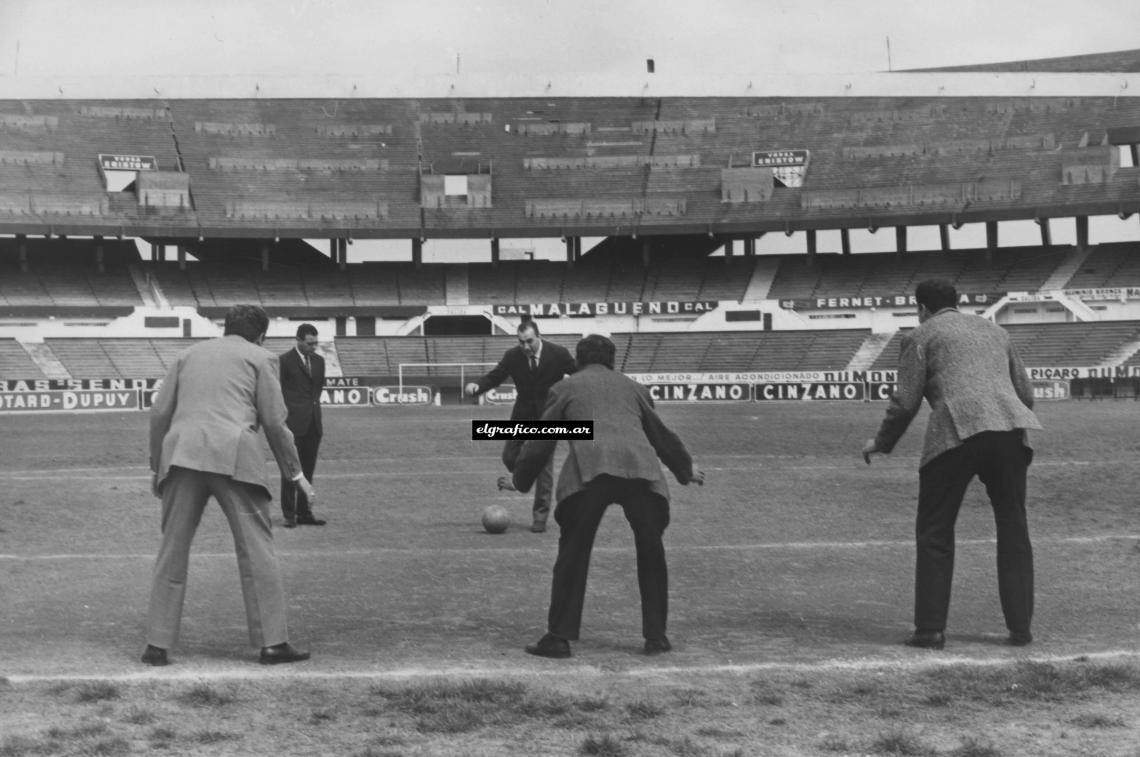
pixel 543 485
pixel 246 506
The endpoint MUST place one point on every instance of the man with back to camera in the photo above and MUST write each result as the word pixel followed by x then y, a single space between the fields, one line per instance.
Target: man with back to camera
pixel 534 365
pixel 619 465
pixel 204 442
pixel 981 404
pixel 302 380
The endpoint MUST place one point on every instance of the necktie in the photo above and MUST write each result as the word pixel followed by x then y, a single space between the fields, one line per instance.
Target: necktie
pixel 308 366
pixel 533 363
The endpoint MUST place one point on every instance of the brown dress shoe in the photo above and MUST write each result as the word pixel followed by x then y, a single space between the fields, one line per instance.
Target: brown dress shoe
pixel 155 656
pixel 281 653
pixel 550 646
pixel 927 640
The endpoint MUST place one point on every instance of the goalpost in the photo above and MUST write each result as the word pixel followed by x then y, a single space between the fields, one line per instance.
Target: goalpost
pixel 462 374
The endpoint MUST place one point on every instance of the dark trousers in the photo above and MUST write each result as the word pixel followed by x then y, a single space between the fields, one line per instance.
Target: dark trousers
pixel 543 485
pixel 1000 460
pixel 294 503
pixel 578 518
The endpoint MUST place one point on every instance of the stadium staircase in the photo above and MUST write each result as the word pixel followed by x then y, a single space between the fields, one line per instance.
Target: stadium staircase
pixel 46 360
pixel 1067 268
pixel 869 351
pixel 763 274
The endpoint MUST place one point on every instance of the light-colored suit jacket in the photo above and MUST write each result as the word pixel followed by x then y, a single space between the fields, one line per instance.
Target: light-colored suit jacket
pixel 629 436
pixel 968 370
pixel 209 410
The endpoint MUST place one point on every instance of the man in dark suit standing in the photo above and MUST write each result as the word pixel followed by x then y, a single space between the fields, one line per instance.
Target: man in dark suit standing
pixel 620 464
pixel 204 429
pixel 534 365
pixel 980 406
pixel 302 380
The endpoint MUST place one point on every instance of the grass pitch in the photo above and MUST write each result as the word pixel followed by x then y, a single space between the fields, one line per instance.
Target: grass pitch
pixel 790 578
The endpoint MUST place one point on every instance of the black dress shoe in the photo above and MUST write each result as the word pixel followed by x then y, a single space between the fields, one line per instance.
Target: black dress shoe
pixel 281 653
pixel 311 521
pixel 538 527
pixel 927 640
pixel 155 656
pixel 290 524
pixel 1019 638
pixel 550 646
pixel 658 646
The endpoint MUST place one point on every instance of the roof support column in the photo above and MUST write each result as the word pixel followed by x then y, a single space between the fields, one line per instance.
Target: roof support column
pixel 181 257
pixel 900 240
pixel 264 256
pixel 812 245
pixel 1082 232
pixel 991 240
pixel 342 246
pixel 944 236
pixel 646 253
pixel 22 251
pixel 729 248
pixel 1046 232
pixel 494 253
pixel 749 247
pixel 100 262
pixel 418 252
pixel 845 241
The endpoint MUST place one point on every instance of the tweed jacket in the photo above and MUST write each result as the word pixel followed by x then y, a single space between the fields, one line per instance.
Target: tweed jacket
pixel 302 392
pixel 531 387
pixel 629 436
pixel 206 415
pixel 970 373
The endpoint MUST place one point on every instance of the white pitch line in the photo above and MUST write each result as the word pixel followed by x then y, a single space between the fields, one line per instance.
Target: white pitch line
pixel 920 661
pixel 110 474
pixel 516 549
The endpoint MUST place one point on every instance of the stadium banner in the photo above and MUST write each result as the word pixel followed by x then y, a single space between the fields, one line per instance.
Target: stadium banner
pixel 107 384
pixel 811 391
pixel 702 392
pixel 856 302
pixel 762 377
pixel 1123 294
pixel 878 391
pixel 592 309
pixel 1051 390
pixel 384 396
pixel 501 395
pixel 69 400
pixel 1068 373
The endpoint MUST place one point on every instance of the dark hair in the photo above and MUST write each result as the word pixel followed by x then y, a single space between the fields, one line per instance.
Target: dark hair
pixel 936 294
pixel 305 329
pixel 529 324
pixel 595 349
pixel 247 321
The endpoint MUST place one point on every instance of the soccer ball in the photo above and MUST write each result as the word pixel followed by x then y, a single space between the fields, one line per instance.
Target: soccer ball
pixel 496 518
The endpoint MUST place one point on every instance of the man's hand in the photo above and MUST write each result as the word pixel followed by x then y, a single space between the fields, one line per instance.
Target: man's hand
pixel 870 447
pixel 506 484
pixel 308 490
pixel 471 388
pixel 698 477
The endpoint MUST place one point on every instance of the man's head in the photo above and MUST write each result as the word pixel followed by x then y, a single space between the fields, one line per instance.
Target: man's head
pixel 247 321
pixel 307 338
pixel 595 349
pixel 933 295
pixel 529 337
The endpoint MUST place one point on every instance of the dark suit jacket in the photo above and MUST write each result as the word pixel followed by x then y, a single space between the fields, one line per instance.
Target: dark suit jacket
pixel 532 388
pixel 629 436
pixel 968 370
pixel 206 416
pixel 302 392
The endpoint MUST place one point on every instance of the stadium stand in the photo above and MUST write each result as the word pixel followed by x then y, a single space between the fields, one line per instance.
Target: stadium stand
pixel 15 362
pixel 1050 344
pixel 1114 264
